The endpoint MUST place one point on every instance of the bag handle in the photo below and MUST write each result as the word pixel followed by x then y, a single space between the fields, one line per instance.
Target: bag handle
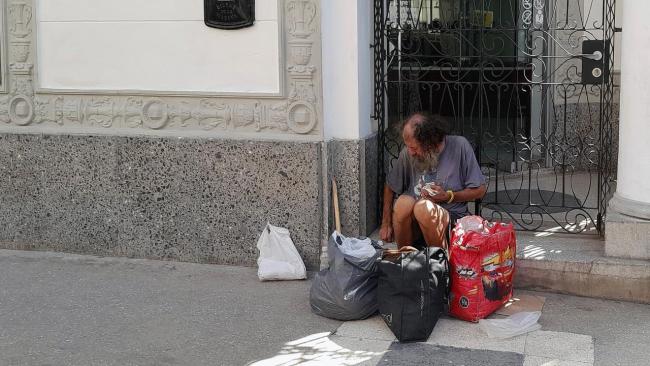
pixel 446 276
pixel 394 254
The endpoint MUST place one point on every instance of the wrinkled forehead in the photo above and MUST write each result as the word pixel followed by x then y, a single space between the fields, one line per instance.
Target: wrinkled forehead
pixel 407 132
pixel 408 136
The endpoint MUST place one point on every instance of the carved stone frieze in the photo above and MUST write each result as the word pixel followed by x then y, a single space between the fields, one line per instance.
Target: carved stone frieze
pixel 22 84
pixel 44 112
pixel 20 17
pixel 302 115
pixel 302 90
pixel 20 28
pixel 301 52
pixel 155 114
pixel 302 14
pixel 245 114
pixel 212 114
pixel 20 50
pixel 21 110
pixel 132 112
pixel 296 112
pixel 101 112
pixel 180 114
pixel 273 117
pixel 68 111
pixel 4 109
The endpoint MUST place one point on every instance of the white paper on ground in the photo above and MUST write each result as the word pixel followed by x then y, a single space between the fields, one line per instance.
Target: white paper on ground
pixel 511 326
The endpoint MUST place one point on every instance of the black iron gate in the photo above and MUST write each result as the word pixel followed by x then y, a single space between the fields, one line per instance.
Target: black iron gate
pixel 527 82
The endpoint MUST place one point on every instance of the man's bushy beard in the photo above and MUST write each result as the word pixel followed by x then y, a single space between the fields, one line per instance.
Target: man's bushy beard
pixel 426 163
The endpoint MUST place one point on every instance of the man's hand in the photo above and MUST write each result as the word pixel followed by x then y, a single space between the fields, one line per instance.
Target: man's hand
pixel 434 193
pixel 386 233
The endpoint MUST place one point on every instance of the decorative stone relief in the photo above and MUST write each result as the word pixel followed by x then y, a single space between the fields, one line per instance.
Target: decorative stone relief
pixel 20 50
pixel 180 114
pixel 302 117
pixel 21 110
pixel 4 109
pixel 245 114
pixel 154 114
pixel 20 17
pixel 20 27
pixel 132 112
pixel 68 111
pixel 301 18
pixel 273 116
pixel 21 83
pixel 42 110
pixel 297 112
pixel 101 112
pixel 302 113
pixel 212 114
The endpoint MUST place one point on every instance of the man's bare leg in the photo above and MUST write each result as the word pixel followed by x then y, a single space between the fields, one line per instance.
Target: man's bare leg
pixel 403 220
pixel 433 221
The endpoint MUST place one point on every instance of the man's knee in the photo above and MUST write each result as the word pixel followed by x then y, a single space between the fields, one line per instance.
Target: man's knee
pixel 403 209
pixel 426 211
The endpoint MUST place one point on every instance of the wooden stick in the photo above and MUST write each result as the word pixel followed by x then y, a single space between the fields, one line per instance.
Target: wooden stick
pixel 335 197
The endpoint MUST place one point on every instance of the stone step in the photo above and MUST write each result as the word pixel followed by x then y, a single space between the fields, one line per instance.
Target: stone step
pixel 577 265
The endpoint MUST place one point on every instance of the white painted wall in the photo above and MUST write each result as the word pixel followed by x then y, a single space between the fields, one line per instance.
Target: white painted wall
pixel 347 68
pixel 617 36
pixel 160 45
pixel 634 155
pixel 365 18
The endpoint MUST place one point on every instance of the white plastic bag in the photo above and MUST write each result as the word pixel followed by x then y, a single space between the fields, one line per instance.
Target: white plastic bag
pixel 357 248
pixel 279 259
pixel 511 326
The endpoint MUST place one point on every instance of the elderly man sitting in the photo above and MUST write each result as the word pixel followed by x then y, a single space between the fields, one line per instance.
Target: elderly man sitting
pixel 434 177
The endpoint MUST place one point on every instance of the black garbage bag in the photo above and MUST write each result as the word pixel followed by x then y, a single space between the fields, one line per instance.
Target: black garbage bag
pixel 412 291
pixel 347 290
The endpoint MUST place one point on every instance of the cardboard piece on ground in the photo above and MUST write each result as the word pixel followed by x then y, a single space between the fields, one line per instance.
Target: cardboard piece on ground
pixel 523 302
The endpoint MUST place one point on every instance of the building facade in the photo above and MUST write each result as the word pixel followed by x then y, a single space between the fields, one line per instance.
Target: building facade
pixel 133 129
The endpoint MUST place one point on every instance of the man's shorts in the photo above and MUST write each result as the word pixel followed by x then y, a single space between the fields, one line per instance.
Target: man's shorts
pixel 418 238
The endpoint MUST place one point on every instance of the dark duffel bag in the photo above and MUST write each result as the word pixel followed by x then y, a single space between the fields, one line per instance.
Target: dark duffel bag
pixel 412 291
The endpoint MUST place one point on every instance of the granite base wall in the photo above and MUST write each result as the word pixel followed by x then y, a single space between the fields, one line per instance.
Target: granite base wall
pixel 197 200
pixel 354 164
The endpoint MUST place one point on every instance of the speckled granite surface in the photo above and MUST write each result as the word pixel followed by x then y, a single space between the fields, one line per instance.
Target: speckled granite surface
pixel 345 167
pixel 195 200
pixel 354 165
pixel 372 185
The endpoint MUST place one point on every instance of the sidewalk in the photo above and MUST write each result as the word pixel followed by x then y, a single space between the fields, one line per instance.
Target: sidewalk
pixel 62 309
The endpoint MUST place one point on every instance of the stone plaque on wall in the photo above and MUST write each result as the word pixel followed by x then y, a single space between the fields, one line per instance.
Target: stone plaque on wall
pixel 229 14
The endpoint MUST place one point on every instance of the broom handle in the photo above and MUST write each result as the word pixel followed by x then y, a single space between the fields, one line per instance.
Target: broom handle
pixel 335 197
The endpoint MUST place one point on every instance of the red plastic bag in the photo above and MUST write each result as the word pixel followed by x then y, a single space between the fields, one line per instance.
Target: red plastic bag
pixel 482 261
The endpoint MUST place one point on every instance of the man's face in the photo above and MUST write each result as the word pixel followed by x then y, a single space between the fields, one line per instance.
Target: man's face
pixel 424 160
pixel 413 147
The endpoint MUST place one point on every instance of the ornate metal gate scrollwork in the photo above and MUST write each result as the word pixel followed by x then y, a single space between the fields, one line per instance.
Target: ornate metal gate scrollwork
pixel 528 82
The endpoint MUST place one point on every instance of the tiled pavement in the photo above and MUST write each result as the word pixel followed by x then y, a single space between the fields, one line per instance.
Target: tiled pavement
pixel 63 309
pixel 453 342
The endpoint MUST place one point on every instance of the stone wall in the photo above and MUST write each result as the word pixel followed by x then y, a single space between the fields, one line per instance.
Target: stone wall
pixel 354 164
pixel 199 200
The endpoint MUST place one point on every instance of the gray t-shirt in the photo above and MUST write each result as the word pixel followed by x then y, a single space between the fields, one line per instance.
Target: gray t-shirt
pixel 457 169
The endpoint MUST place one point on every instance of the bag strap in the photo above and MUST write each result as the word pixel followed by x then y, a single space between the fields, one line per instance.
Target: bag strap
pixel 395 254
pixel 446 277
